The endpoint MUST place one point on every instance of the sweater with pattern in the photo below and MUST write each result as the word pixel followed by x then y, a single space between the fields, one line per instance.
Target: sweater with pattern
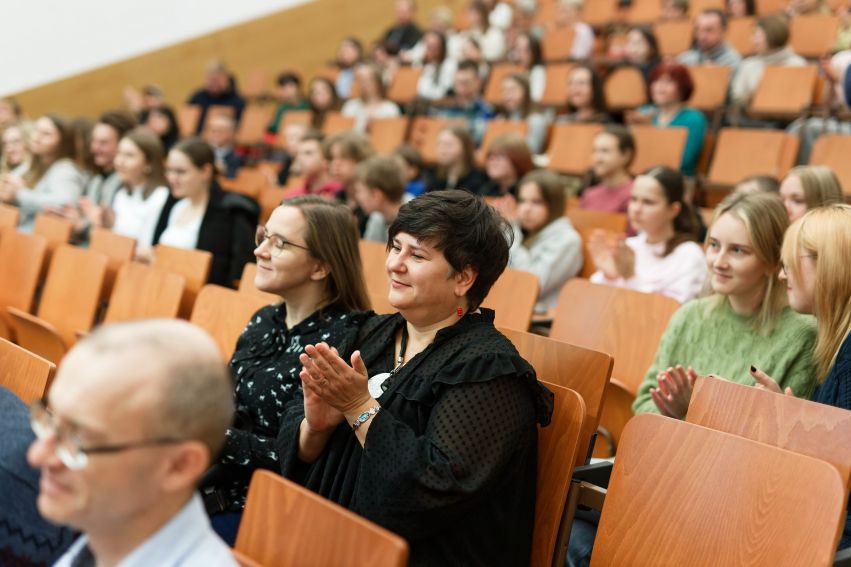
pixel 718 341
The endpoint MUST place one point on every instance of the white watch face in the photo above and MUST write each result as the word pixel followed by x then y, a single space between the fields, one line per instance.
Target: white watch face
pixel 374 384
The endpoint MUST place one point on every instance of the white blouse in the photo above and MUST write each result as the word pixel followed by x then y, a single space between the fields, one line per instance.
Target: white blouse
pixel 185 235
pixel 137 217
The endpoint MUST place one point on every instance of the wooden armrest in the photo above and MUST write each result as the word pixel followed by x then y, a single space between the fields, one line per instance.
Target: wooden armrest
pixel 591 496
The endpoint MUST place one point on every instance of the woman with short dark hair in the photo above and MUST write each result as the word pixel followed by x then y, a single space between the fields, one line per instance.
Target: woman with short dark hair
pixel 437 441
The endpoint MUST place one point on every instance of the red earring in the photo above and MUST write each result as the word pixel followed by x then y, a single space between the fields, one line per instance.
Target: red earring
pixel 460 312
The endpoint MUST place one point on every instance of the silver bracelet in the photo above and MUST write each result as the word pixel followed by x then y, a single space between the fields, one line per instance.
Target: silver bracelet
pixel 364 417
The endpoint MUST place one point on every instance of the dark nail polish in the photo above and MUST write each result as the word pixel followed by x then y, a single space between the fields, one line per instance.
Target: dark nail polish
pixel 753 368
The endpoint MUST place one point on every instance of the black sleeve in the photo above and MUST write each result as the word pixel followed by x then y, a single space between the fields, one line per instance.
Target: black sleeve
pixel 244 223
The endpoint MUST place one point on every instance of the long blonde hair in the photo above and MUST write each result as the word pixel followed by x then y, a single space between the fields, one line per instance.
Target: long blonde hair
pixel 825 234
pixel 820 184
pixel 765 221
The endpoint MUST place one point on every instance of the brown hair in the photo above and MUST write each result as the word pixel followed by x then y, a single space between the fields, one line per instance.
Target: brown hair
pixel 199 152
pixel 152 148
pixel 673 189
pixel 820 184
pixel 119 120
pixel 82 127
pixel 65 150
pixel 552 188
pixel 352 145
pixel 515 148
pixel 383 173
pixel 462 134
pixel 332 237
pixel 776 30
pixel 375 75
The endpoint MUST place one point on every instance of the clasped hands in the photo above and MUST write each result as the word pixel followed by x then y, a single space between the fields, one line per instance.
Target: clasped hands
pixel 611 255
pixel 9 186
pixel 332 388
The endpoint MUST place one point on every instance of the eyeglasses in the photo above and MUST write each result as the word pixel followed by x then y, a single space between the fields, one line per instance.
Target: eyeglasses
pixel 783 266
pixel 277 243
pixel 69 447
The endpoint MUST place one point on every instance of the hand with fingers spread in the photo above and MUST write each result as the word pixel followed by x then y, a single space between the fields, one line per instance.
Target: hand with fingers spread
pixel 603 254
pixel 624 259
pixel 674 392
pixel 339 385
pixel 766 382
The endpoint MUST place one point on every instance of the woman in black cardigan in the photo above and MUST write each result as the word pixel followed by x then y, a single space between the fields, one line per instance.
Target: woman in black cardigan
pixel 199 214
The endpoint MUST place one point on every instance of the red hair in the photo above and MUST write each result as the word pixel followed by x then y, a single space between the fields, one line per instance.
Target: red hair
pixel 678 73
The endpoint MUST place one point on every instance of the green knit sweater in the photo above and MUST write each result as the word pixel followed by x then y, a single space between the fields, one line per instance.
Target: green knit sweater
pixel 720 342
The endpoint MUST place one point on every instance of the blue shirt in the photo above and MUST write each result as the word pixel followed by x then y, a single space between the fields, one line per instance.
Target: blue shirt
pixel 695 122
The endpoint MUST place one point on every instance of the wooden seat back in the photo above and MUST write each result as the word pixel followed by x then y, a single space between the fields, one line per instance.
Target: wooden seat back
pixel 23 372
pixel 625 88
pixel 193 265
pixel 769 152
pixel 143 292
pixel 555 90
pixel 118 250
pixel 513 297
pixel 387 134
pixel 657 146
pixel 276 505
pixel 570 147
pixel 9 216
pixel 224 313
pixel 21 257
pixel 246 284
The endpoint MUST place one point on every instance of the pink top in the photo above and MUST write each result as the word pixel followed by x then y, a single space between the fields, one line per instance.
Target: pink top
pixel 607 199
pixel 329 190
pixel 680 274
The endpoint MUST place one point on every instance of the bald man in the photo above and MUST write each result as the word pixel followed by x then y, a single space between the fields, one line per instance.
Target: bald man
pixel 134 416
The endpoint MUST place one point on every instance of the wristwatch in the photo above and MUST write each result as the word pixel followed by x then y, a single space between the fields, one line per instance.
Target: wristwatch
pixel 364 417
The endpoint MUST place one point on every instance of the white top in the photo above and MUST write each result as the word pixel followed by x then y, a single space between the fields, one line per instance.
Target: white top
pixel 747 77
pixel 431 89
pixel 187 540
pixel 62 183
pixel 137 217
pixel 184 235
pixel 537 82
pixel 554 257
pixel 363 113
pixel 491 42
pixel 681 274
pixel 583 41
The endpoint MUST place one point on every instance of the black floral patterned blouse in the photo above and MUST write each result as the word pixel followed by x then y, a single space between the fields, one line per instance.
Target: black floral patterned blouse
pixel 265 368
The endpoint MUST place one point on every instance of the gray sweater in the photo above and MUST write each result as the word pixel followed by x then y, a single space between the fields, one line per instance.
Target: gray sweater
pixel 62 183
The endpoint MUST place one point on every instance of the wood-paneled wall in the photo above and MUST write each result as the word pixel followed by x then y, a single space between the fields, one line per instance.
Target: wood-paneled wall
pixel 303 37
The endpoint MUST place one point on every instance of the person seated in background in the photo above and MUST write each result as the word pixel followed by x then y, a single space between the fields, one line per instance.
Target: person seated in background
pixel 507 161
pixel 807 187
pixel 218 90
pixel 322 99
pixel 671 86
pixel 293 135
pixel 53 180
pixel 456 162
pixel 467 101
pixel 740 8
pixel 432 432
pixel 642 50
pixel 311 163
pixel 528 54
pixel 758 184
pixel 221 135
pixel 344 151
pixel 371 101
pixel 10 113
pixel 807 7
pixel 200 215
pixel 380 193
pixel 746 321
pixel 307 253
pixel 664 257
pixel 674 10
pixel 404 34
pixel 413 167
pixel 163 122
pixel 15 155
pixel 710 45
pixel 81 130
pixel 516 104
pixel 470 50
pixel 612 153
pixel 568 21
pixel 134 417
pixel 349 56
pixel 26 538
pixel 141 102
pixel 441 21
pixel 107 132
pixel 586 101
pixel 770 40
pixel 490 38
pixel 289 97
pixel 438 72
pixel 545 243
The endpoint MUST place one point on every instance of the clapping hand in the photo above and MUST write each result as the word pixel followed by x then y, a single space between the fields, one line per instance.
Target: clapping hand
pixel 335 387
pixel 674 392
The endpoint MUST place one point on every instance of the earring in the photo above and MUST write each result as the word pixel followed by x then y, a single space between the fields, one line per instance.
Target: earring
pixel 460 312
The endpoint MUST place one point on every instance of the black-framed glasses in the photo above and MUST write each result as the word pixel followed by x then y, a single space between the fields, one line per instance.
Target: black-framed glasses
pixel 70 448
pixel 277 243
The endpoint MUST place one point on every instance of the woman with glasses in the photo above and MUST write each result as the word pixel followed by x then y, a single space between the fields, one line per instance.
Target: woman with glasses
pixel 308 254
pixel 199 214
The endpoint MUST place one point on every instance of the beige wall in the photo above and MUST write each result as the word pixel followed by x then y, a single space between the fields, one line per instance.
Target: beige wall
pixel 304 37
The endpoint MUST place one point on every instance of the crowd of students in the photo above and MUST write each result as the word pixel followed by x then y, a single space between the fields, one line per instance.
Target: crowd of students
pixel 449 407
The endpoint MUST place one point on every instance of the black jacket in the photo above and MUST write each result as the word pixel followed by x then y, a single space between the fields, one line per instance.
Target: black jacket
pixel 227 230
pixel 473 181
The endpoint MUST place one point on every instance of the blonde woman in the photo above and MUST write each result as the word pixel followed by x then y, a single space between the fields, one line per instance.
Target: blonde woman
pixel 15 155
pixel 807 187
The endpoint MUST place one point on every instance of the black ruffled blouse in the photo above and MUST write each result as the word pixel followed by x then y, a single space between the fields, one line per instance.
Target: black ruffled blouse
pixel 450 462
pixel 265 366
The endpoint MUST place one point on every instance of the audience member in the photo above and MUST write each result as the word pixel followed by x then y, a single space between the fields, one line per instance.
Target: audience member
pixel 293 135
pixel 133 419
pixel 471 50
pixel 349 55
pixel 164 124
pixel 770 40
pixel 642 50
pixel 455 404
pixel 10 113
pixel 81 130
pixel 569 21
pixel 311 163
pixel 307 253
pixel 219 90
pixel 664 256
pixel 344 151
pixel 26 539
pixel 508 159
pixel 612 153
pixel 740 8
pixel 15 155
pixel 441 21
pixel 674 10
pixel 586 101
pixel 322 98
pixel 670 88
pixel 404 33
pixel 467 102
pixel 141 102
pixel 545 243
pixel 758 184
pixel 809 186
pixel 815 266
pixel 371 101
pixel 807 7
pixel 456 162
pixel 516 104
pixel 221 135
pixel 528 54
pixel 109 129
pixel 413 167
pixel 199 214
pixel 52 180
pixel 490 38
pixel 438 69
pixel 289 97
pixel 710 46
pixel 380 193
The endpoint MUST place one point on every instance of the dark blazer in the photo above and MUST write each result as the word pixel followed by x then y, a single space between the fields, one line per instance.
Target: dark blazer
pixel 473 181
pixel 227 230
